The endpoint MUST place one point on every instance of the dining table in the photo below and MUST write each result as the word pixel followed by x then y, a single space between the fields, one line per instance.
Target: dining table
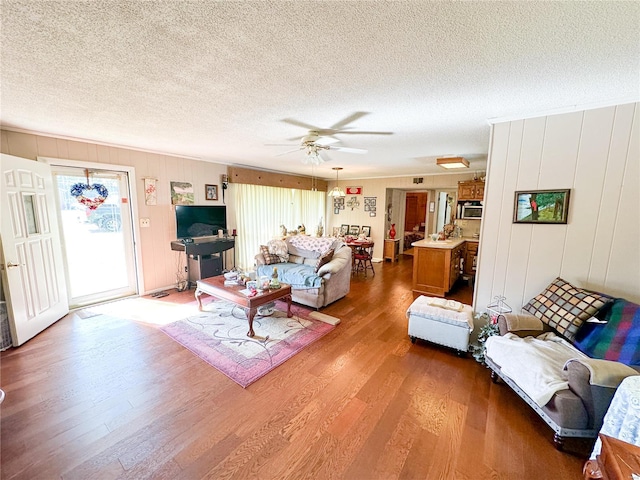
pixel 356 247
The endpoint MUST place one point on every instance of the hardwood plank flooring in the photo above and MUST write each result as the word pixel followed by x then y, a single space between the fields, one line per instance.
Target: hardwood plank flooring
pixel 108 397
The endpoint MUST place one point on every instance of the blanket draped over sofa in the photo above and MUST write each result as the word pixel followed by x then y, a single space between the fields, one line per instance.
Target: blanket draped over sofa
pixel 299 276
pixel 534 363
pixel 317 268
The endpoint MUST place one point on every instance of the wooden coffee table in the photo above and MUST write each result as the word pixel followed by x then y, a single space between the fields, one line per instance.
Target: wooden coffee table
pixel 215 287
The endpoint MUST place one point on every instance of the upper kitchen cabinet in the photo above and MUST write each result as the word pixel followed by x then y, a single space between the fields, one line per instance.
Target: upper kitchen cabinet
pixel 471 190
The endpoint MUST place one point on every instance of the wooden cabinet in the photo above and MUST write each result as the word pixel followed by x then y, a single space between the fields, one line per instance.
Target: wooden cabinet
pixel 457 254
pixel 471 190
pixel 391 249
pixel 470 259
pixel 436 269
pixel 617 460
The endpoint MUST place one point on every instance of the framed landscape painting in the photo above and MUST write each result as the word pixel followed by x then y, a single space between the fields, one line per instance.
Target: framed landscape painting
pixel 541 206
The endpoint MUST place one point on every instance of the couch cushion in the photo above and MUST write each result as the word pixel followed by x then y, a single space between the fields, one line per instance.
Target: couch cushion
pixel 618 339
pixel 565 307
pixel 324 259
pixel 269 258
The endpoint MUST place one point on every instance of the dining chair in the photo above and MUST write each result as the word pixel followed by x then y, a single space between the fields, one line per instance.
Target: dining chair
pixel 363 257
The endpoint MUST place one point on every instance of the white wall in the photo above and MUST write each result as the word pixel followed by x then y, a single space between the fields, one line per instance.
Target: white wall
pixel 159 262
pixel 595 153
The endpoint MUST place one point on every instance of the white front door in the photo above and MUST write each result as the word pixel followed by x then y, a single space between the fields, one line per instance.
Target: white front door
pixel 98 244
pixel 32 270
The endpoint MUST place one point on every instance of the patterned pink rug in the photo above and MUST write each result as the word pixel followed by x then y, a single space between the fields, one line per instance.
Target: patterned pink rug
pixel 219 336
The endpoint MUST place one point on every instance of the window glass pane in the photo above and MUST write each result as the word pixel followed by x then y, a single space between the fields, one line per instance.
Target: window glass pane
pixel 30 213
pixel 262 211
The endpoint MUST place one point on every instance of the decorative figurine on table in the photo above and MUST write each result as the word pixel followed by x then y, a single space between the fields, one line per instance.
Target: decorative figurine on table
pixel 275 283
pixel 302 230
pixel 264 283
pixel 283 230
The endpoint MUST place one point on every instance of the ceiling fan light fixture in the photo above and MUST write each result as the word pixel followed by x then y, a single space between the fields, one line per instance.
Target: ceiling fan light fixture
pixel 313 158
pixel 336 191
pixel 452 162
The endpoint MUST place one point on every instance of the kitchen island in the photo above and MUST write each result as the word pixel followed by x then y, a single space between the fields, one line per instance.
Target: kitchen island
pixel 436 265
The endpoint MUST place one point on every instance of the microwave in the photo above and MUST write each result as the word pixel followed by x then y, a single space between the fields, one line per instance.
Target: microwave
pixel 471 212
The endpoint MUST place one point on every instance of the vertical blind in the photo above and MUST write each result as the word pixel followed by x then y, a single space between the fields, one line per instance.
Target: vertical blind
pixel 261 210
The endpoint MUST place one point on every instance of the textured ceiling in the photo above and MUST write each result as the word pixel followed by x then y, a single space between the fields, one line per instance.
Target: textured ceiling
pixel 214 80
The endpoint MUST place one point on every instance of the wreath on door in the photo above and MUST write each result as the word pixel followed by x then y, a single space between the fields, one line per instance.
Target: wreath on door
pixel 91 196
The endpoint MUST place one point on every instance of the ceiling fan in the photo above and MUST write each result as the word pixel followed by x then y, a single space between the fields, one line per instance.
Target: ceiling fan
pixel 313 146
pixel 320 140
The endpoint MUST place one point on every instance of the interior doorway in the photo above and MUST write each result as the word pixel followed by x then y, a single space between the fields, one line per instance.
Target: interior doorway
pixel 97 237
pixel 416 219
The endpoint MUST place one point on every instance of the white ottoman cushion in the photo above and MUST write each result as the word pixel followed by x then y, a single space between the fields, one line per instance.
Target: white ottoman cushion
pixel 440 325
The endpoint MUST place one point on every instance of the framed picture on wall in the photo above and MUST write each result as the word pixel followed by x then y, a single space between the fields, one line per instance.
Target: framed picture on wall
pixel 366 229
pixel 354 230
pixel 344 229
pixel 211 192
pixel 182 193
pixel 541 206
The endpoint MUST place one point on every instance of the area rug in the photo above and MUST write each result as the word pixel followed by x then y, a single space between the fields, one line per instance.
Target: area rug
pixel 219 336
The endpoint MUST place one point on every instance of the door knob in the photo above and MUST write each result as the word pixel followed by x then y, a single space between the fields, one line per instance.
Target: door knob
pixel 12 265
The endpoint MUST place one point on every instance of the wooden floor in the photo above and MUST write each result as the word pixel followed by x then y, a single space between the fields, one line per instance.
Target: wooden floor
pixel 101 398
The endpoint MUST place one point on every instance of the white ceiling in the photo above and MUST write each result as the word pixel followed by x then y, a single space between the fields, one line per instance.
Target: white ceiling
pixel 214 80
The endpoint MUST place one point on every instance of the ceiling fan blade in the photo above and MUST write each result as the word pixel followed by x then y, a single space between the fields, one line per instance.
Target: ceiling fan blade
pixel 326 141
pixel 323 156
pixel 348 150
pixel 284 153
pixel 346 121
pixel 298 123
pixel 351 132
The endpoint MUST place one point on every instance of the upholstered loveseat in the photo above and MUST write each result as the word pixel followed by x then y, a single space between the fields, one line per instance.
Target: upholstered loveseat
pixel 318 269
pixel 565 355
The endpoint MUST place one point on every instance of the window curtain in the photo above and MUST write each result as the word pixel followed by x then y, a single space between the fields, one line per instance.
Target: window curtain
pixel 261 210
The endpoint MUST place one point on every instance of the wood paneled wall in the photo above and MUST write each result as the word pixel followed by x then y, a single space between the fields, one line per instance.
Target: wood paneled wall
pixel 160 264
pixel 595 153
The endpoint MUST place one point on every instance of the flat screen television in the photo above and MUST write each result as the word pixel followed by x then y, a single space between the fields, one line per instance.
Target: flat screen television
pixel 200 221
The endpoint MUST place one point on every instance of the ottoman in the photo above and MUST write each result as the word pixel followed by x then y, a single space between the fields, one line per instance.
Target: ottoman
pixel 438 321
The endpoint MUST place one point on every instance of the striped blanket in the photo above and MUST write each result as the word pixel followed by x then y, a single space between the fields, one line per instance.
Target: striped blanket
pixel 618 339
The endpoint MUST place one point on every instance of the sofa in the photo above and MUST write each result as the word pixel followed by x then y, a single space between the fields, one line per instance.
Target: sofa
pixel 317 268
pixel 565 354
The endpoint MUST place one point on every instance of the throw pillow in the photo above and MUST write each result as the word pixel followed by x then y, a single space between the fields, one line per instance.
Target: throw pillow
pixel 269 258
pixel 324 259
pixel 565 307
pixel 278 247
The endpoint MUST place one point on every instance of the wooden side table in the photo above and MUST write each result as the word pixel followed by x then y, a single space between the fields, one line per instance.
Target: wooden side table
pixel 391 249
pixel 616 461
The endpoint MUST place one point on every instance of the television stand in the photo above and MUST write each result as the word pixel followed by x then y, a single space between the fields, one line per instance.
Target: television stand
pixel 204 256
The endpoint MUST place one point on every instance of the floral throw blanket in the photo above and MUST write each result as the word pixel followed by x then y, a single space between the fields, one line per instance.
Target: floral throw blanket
pixel 314 244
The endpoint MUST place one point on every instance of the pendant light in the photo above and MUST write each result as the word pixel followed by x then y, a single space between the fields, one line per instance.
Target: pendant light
pixel 336 191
